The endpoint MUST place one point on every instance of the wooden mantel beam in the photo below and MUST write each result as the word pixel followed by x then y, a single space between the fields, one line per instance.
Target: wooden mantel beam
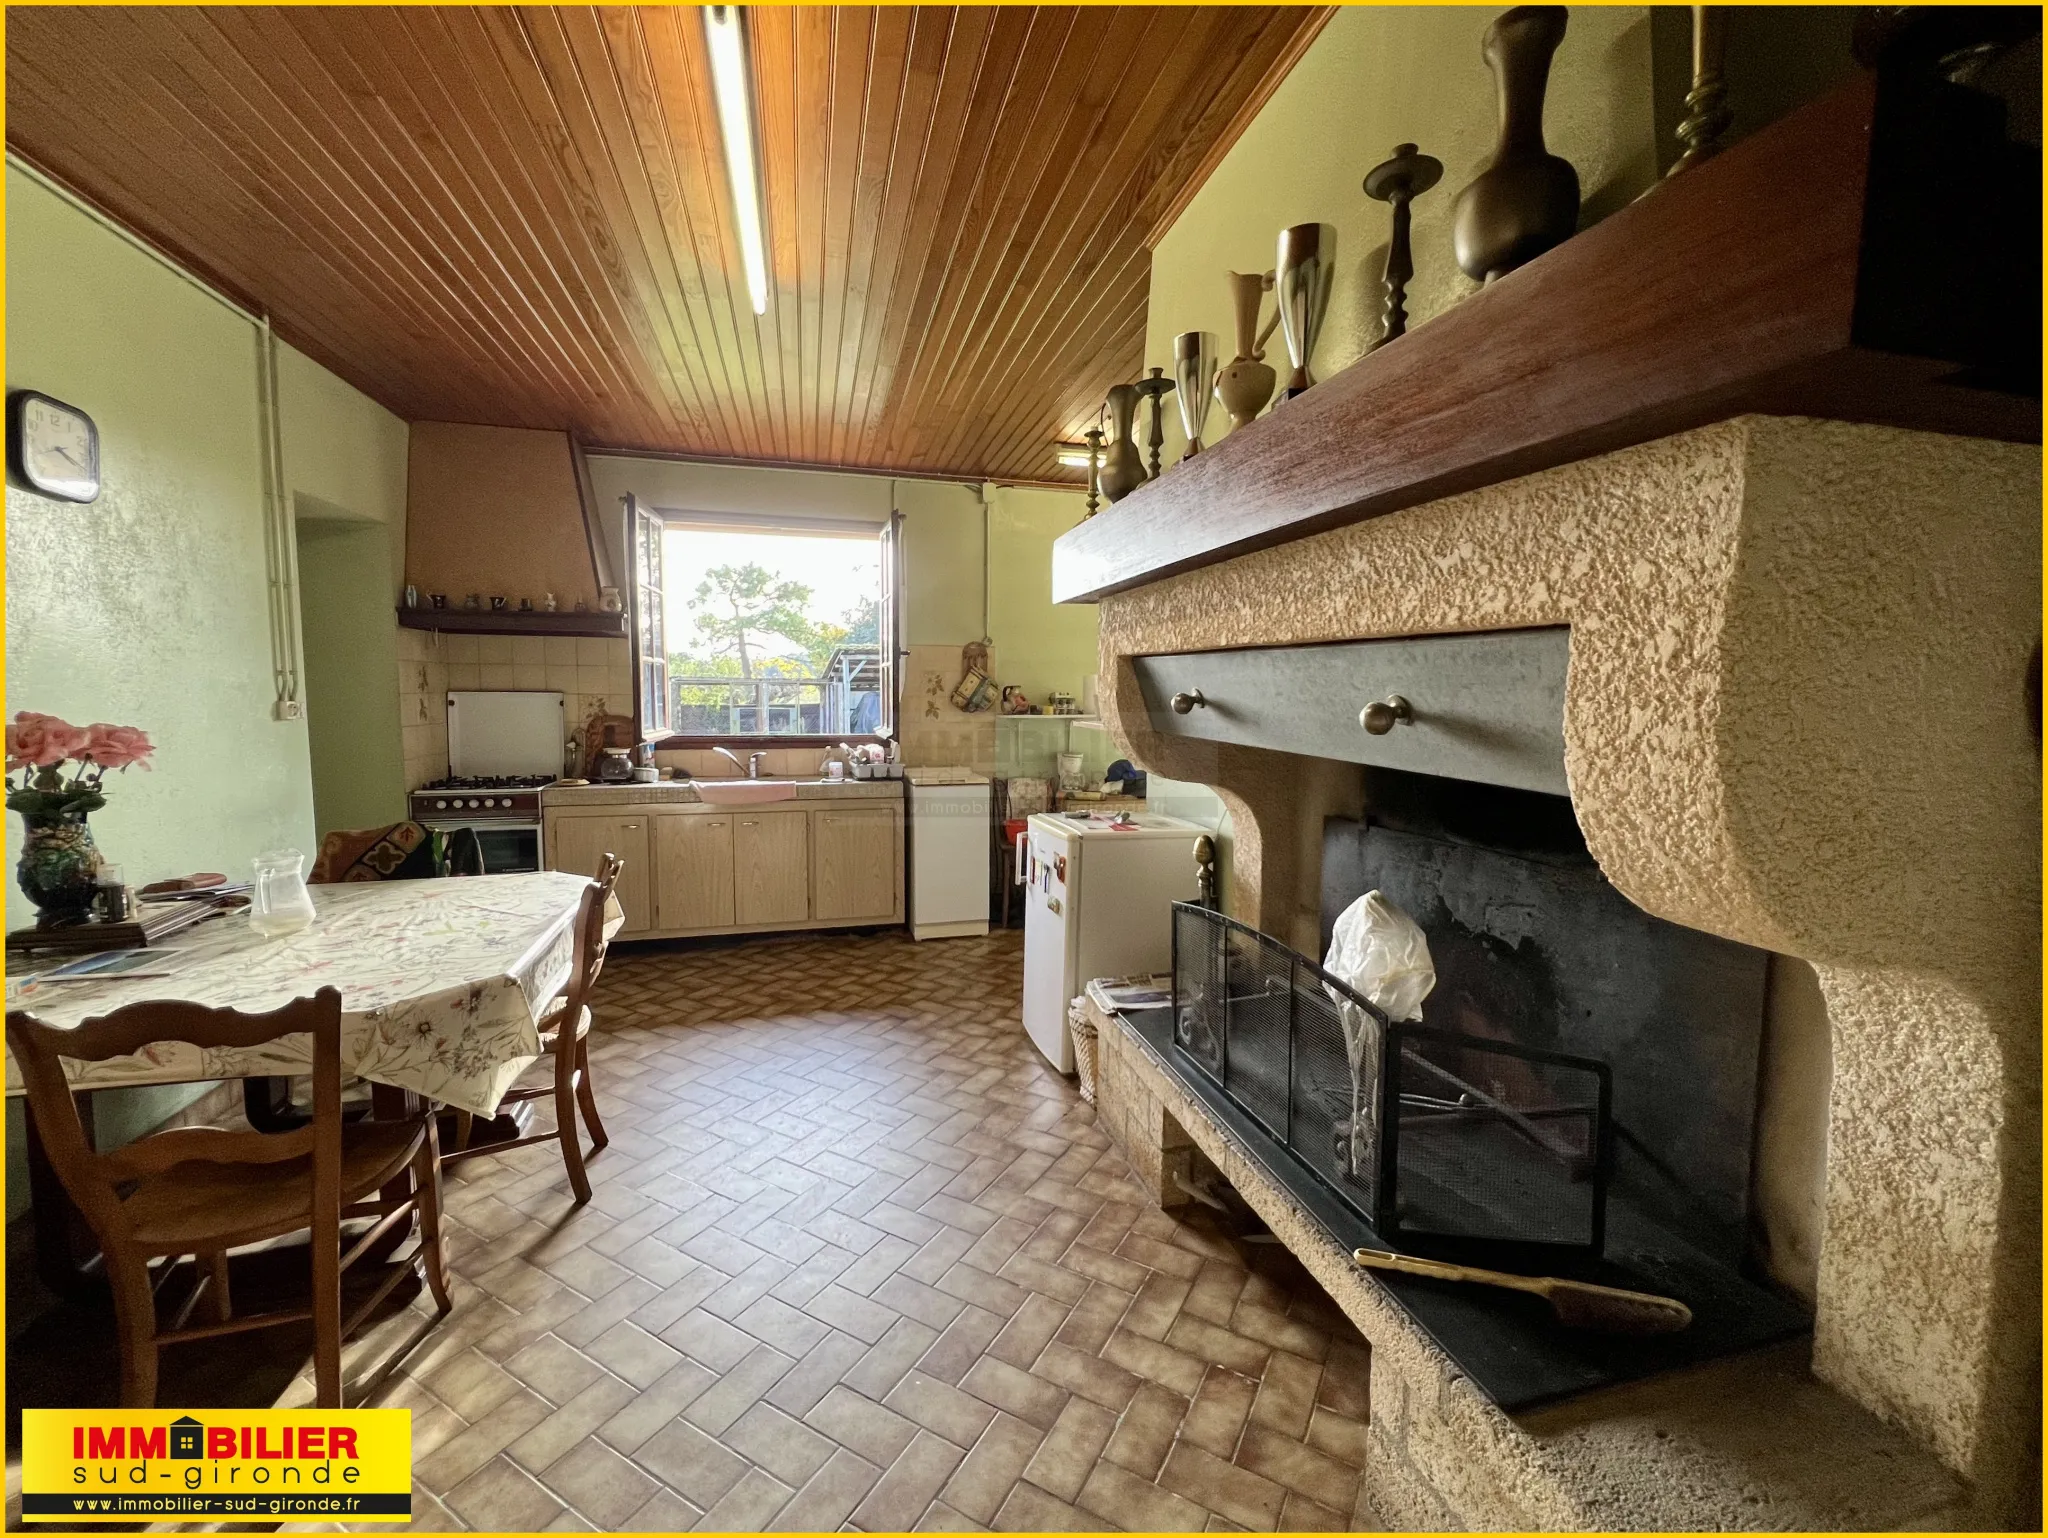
pixel 1874 257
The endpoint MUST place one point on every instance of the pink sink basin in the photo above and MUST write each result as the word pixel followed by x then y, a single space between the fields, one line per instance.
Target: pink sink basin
pixel 745 792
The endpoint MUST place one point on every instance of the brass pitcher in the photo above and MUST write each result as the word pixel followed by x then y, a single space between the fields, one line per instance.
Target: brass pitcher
pixel 1247 380
pixel 1123 467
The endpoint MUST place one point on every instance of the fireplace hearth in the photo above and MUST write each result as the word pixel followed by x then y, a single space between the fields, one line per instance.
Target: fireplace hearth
pixel 1576 1101
pixel 1748 604
pixel 1446 1144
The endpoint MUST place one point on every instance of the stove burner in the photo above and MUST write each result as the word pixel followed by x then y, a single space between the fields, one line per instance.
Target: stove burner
pixel 492 782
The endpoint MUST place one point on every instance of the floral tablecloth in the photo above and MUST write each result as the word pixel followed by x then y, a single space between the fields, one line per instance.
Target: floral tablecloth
pixel 442 983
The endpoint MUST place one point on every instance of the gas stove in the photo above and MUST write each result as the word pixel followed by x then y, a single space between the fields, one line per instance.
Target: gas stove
pixel 500 746
pixel 500 797
pixel 468 782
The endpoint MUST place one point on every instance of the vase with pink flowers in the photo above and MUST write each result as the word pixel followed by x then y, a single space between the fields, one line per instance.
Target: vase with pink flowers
pixel 55 779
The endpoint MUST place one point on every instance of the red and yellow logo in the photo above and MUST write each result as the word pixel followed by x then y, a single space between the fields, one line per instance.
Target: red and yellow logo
pixel 177 1466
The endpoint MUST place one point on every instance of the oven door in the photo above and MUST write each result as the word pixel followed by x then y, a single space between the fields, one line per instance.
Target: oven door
pixel 508 847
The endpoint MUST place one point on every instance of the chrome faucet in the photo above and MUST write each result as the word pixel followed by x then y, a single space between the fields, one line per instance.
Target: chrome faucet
pixel 754 765
pixel 743 769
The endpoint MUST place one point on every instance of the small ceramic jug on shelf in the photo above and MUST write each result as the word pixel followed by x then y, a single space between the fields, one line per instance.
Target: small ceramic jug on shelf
pixel 1123 467
pixel 1247 380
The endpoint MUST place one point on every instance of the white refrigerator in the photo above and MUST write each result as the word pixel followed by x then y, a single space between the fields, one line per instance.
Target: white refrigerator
pixel 1098 903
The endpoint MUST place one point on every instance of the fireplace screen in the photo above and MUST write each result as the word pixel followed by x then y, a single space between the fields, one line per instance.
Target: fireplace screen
pixel 1426 1134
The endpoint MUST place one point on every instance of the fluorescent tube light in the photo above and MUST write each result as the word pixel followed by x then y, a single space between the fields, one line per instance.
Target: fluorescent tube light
pixel 732 83
pixel 1073 455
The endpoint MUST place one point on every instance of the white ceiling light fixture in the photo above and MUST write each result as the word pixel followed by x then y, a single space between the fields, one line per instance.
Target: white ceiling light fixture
pixel 732 83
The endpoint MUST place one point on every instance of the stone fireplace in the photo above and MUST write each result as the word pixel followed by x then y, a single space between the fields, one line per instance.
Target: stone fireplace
pixel 1796 717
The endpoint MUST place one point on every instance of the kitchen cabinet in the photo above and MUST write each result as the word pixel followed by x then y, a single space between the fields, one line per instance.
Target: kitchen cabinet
pixel 772 868
pixel 693 868
pixel 856 867
pixel 578 843
pixel 693 863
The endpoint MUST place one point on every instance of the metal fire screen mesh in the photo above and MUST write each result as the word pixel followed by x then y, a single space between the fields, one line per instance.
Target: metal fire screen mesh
pixel 1424 1133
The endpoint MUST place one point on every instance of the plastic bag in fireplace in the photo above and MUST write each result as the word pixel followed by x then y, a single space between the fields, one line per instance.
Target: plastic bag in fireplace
pixel 1383 954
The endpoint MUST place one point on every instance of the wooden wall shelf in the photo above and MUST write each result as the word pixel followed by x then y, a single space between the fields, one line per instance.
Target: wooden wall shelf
pixel 484 622
pixel 1873 257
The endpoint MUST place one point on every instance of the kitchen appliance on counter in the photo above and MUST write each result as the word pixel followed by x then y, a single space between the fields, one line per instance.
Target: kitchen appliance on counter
pixel 1099 896
pixel 503 746
pixel 947 813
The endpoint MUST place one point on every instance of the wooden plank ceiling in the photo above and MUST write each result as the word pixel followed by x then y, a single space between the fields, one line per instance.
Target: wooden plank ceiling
pixel 519 216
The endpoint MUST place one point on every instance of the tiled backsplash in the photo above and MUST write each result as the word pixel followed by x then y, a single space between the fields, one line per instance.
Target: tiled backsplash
pixel 594 675
pixel 422 709
pixel 931 729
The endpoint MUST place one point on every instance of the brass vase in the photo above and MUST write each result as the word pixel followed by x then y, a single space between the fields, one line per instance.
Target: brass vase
pixel 1247 380
pixel 1527 199
pixel 1301 289
pixel 1194 381
pixel 1123 467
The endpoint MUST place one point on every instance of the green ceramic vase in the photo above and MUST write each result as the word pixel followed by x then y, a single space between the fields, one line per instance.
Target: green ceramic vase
pixel 59 866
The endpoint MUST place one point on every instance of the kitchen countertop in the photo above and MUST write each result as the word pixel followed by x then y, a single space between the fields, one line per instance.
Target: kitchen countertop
pixel 684 793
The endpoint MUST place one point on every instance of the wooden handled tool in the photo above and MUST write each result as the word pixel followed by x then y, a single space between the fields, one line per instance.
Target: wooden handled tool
pixel 1581 1305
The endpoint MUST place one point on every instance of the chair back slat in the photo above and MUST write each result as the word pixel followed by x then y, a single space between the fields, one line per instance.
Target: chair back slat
pixel 94 1179
pixel 590 945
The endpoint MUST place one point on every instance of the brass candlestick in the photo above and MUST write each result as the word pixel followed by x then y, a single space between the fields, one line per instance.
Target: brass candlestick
pixel 1396 182
pixel 1152 388
pixel 1094 435
pixel 1707 113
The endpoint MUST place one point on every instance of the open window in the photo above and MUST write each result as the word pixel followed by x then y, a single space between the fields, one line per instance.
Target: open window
pixel 753 628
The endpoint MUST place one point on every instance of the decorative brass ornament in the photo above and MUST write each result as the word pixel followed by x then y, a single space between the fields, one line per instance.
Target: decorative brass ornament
pixel 1152 387
pixel 1527 199
pixel 1396 182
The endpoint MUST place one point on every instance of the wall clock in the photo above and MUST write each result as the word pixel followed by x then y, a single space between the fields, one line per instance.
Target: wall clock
pixel 52 448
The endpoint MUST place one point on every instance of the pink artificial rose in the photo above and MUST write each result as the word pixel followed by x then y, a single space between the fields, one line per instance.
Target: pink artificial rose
pixel 39 740
pixel 116 747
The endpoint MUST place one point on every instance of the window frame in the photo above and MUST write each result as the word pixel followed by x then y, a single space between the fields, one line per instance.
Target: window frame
pixel 890 538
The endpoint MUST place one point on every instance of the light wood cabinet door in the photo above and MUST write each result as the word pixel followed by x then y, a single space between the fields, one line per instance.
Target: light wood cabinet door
pixel 771 854
pixel 579 844
pixel 693 859
pixel 856 865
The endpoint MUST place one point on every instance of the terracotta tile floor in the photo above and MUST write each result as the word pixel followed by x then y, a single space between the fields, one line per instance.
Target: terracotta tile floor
pixel 857 1258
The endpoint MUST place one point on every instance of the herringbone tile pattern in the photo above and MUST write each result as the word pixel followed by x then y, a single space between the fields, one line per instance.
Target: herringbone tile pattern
pixel 857 1258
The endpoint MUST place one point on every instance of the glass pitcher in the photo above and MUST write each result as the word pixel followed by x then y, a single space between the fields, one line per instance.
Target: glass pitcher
pixel 279 903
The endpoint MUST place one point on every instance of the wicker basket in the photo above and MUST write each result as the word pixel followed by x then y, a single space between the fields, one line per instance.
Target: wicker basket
pixel 1084 1047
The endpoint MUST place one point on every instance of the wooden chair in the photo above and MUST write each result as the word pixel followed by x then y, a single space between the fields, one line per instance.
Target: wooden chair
pixel 564 1038
pixel 202 1191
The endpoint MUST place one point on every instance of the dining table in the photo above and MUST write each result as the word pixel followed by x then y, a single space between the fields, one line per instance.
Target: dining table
pixel 443 986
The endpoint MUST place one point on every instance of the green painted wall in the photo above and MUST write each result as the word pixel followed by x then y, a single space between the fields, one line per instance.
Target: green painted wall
pixel 149 607
pixel 351 645
pixel 1040 645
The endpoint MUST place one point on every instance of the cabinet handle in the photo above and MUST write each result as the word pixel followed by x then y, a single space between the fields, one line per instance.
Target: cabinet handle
pixel 1381 716
pixel 1187 700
